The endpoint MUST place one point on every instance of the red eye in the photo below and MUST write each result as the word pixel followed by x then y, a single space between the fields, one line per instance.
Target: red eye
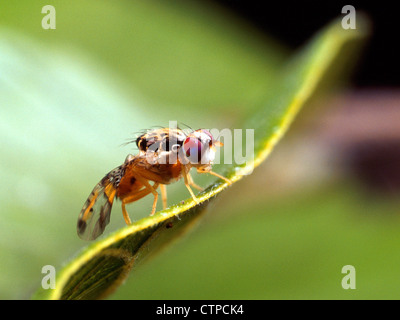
pixel 192 148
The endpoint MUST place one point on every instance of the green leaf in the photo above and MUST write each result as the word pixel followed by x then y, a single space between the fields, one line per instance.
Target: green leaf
pixel 71 97
pixel 102 266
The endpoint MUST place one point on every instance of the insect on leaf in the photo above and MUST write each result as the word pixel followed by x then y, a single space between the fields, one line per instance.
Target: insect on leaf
pixel 100 268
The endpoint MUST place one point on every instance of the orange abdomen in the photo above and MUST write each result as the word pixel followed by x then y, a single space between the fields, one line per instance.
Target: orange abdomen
pixel 128 185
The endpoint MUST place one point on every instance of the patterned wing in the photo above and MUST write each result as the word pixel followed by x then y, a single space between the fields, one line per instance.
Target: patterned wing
pixel 95 214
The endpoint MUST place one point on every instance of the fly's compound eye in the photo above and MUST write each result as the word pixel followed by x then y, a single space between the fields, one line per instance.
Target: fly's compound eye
pixel 192 148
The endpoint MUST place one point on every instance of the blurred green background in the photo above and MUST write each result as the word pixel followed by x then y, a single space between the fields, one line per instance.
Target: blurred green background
pixel 70 98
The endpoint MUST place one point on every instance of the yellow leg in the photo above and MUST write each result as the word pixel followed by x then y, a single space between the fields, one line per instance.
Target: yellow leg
pixel 153 191
pixel 191 182
pixel 185 177
pixel 163 189
pixel 139 195
pixel 221 177
pixel 153 210
pixel 125 214
pixel 142 193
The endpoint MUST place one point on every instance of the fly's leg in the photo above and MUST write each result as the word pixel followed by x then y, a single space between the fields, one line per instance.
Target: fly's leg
pixel 228 181
pixel 192 183
pixel 163 189
pixel 152 189
pixel 187 184
pixel 139 195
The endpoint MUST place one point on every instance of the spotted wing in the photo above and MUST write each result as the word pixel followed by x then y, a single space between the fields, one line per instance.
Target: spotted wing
pixel 95 214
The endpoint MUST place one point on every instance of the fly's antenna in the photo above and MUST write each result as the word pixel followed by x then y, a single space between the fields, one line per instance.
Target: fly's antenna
pixel 154 127
pixel 136 135
pixel 187 127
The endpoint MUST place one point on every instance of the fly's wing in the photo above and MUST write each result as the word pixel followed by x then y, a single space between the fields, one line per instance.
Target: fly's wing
pixel 96 211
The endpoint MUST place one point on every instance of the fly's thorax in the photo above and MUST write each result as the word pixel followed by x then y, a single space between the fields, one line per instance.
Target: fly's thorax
pixel 158 140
